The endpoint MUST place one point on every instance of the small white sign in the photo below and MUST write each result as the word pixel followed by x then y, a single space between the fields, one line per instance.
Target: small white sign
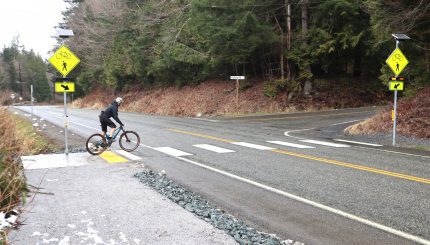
pixel 237 77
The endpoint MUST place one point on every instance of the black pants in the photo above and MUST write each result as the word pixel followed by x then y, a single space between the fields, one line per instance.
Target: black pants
pixel 105 122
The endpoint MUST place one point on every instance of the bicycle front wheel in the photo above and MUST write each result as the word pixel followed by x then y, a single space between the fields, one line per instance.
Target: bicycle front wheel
pixel 96 144
pixel 129 141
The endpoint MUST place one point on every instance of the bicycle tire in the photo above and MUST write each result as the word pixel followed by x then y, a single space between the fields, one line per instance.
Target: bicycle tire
pixel 129 136
pixel 92 144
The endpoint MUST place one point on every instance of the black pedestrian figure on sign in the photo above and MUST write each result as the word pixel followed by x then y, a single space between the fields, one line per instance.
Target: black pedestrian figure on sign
pixel 397 67
pixel 65 65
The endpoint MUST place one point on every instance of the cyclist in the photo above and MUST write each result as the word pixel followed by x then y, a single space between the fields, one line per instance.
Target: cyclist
pixel 110 112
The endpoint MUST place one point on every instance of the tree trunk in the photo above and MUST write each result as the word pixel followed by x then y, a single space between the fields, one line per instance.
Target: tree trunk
pixel 305 5
pixel 281 60
pixel 288 8
pixel 357 61
pixel 305 27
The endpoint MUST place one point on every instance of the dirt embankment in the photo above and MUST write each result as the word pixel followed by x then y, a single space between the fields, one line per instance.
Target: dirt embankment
pixel 413 118
pixel 213 98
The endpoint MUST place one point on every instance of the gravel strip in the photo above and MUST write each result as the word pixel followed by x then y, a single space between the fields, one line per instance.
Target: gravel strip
pixel 194 203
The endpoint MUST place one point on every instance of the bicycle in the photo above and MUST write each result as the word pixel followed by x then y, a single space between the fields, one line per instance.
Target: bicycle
pixel 97 143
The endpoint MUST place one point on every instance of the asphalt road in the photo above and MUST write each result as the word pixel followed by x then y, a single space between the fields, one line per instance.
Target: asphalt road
pixel 299 183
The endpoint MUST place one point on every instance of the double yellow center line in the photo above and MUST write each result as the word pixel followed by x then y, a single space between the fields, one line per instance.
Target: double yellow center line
pixel 319 159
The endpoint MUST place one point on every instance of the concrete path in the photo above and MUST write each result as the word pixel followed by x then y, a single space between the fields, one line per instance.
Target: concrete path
pixel 84 200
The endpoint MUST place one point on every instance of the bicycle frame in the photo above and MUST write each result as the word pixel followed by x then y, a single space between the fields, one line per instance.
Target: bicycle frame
pixel 116 132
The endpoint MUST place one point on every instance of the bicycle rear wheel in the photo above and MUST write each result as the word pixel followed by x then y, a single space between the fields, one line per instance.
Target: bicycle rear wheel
pixel 129 141
pixel 96 144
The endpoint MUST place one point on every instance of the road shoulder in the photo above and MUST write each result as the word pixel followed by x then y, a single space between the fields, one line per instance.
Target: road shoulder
pixel 100 203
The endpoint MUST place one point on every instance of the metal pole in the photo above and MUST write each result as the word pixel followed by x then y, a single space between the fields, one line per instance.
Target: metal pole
pixel 66 120
pixel 395 114
pixel 66 125
pixel 395 108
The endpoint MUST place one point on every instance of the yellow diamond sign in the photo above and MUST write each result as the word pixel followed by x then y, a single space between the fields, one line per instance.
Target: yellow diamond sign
pixel 64 60
pixel 397 61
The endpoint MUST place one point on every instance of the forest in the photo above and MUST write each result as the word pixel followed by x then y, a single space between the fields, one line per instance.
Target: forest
pixel 288 44
pixel 293 46
pixel 20 68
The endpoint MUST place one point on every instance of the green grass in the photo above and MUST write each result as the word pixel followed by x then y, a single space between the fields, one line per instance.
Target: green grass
pixel 33 142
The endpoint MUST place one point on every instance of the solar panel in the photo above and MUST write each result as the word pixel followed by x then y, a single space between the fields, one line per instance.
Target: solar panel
pixel 400 36
pixel 63 33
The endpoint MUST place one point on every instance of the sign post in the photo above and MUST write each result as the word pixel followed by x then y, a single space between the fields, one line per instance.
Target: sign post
pixel 64 61
pixel 397 62
pixel 12 97
pixel 32 100
pixel 237 78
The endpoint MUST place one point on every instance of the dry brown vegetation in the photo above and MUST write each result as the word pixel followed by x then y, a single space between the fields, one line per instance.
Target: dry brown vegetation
pixel 17 139
pixel 413 118
pixel 213 98
pixel 5 97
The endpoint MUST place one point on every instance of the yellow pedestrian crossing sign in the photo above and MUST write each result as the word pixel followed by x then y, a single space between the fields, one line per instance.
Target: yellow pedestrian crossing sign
pixel 397 61
pixel 64 87
pixel 64 60
pixel 396 86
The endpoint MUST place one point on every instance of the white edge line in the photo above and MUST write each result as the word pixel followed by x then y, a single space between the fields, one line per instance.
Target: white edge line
pixel 357 142
pixel 315 204
pixel 204 119
pixel 346 122
pixel 395 152
pixel 287 133
pixel 128 155
pixel 84 125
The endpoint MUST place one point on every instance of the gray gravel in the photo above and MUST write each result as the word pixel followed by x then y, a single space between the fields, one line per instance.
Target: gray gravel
pixel 194 203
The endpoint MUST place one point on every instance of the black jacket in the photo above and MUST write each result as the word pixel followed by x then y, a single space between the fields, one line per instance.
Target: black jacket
pixel 112 111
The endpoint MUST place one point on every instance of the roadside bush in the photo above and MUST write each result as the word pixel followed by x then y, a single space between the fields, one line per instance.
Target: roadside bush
pixel 273 87
pixel 5 98
pixel 11 184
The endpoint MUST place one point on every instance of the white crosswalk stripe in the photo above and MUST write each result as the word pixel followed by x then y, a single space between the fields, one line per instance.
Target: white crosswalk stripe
pixel 128 155
pixel 317 142
pixel 213 148
pixel 254 146
pixel 172 151
pixel 291 144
